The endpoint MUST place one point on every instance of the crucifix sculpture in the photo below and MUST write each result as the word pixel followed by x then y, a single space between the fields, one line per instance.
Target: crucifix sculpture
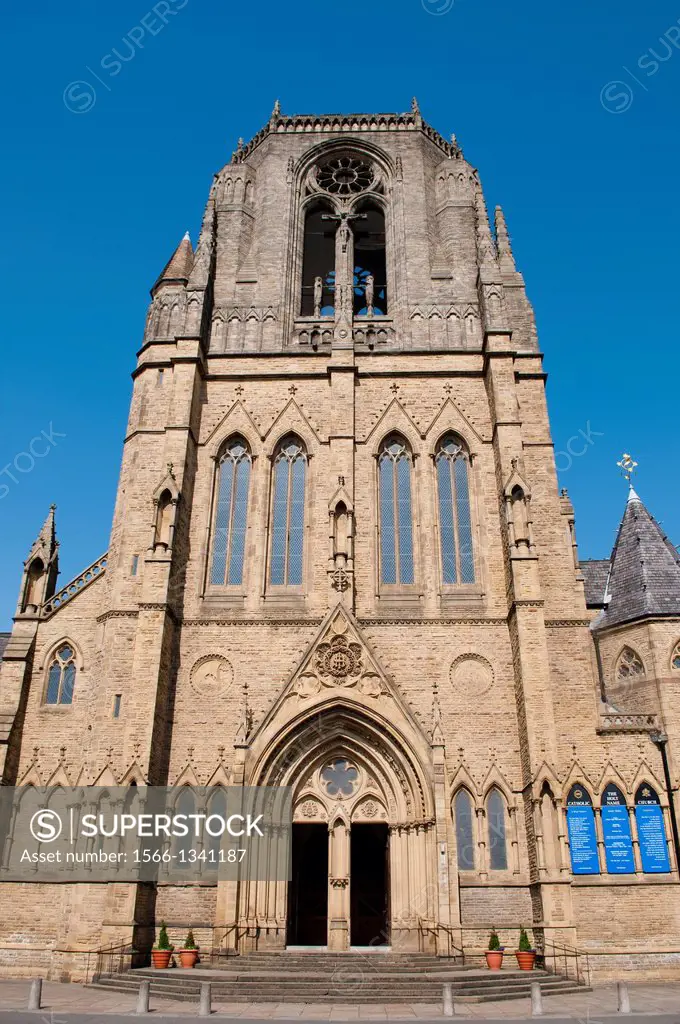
pixel 344 265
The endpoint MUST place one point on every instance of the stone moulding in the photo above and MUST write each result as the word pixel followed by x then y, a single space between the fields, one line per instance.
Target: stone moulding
pixel 76 586
pixel 628 723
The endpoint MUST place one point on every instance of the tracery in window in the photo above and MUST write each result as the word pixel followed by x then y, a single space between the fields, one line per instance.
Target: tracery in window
pixel 455 524
pixel 629 664
pixel 495 813
pixel 231 518
pixel 344 175
pixel 288 514
pixel 396 516
pixel 340 778
pixel 465 841
pixel 61 677
pixel 675 657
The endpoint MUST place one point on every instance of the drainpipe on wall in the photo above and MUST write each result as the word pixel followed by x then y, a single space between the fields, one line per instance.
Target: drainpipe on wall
pixel 660 739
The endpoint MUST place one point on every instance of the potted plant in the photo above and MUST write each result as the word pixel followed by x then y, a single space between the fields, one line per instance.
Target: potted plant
pixel 494 954
pixel 188 954
pixel 162 951
pixel 525 953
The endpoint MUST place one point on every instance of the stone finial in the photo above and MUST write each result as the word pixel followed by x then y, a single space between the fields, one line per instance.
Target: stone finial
pixel 503 241
pixel 276 112
pixel 415 109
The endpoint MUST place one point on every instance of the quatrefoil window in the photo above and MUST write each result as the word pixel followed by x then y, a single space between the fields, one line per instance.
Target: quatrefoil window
pixel 345 176
pixel 340 779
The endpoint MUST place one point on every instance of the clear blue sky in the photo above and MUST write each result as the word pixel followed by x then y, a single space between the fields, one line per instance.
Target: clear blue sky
pixel 95 202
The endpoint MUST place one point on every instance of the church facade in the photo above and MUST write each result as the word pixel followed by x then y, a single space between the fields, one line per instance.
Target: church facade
pixel 340 561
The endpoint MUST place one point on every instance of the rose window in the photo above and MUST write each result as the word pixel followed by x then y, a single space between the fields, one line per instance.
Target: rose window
pixel 345 176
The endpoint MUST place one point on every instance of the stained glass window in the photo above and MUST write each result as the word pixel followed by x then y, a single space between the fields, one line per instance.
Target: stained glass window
pixel 232 515
pixel 675 657
pixel 396 517
pixel 61 677
pixel 495 813
pixel 465 840
pixel 455 524
pixel 288 514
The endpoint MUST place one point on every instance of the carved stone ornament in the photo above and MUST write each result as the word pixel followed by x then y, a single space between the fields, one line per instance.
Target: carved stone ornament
pixel 339 658
pixel 212 676
pixel 340 580
pixel 471 675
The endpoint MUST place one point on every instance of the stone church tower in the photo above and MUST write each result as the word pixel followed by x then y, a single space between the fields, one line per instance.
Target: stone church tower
pixel 340 561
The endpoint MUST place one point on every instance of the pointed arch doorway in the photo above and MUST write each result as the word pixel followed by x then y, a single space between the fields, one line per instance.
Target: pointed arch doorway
pixel 363 847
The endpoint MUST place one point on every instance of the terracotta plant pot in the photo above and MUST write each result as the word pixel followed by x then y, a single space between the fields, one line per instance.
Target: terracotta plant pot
pixel 188 957
pixel 161 958
pixel 494 959
pixel 525 961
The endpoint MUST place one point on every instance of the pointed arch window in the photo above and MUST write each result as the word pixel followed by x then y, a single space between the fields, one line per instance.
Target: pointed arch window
pixel 231 517
pixel 318 262
pixel 288 514
pixel 495 813
pixel 370 265
pixel 61 677
pixel 395 464
pixel 629 664
pixel 465 838
pixel 675 658
pixel 455 523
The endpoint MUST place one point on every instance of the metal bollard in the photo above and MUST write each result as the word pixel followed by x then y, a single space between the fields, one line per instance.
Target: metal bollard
pixel 536 999
pixel 143 997
pixel 35 994
pixel 622 996
pixel 205 1005
pixel 448 1000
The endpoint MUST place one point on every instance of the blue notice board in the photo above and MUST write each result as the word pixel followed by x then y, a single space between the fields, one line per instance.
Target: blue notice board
pixel 652 838
pixel 618 845
pixel 582 840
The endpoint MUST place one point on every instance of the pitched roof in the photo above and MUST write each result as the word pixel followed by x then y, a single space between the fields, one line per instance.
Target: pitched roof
pixel 180 264
pixel 645 569
pixel 595 573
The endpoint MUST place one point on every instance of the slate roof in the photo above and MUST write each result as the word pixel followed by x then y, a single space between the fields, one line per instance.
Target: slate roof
pixel 595 572
pixel 645 569
pixel 4 640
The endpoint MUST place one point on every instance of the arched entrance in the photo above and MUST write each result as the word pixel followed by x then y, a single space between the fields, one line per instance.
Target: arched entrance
pixel 363 849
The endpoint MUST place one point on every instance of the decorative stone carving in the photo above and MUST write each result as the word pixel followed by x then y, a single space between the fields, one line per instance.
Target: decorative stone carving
pixel 472 675
pixel 212 676
pixel 338 658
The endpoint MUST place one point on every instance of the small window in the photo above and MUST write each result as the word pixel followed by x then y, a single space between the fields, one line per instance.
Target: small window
pixel 61 677
pixel 134 565
pixel 629 664
pixel 495 812
pixel 462 806
pixel 159 379
pixel 116 705
pixel 675 658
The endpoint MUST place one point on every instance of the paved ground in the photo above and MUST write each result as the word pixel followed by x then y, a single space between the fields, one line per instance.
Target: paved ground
pixel 74 1004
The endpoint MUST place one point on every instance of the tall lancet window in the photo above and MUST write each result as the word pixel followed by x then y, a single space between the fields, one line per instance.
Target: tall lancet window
pixel 231 516
pixel 396 514
pixel 455 524
pixel 370 267
pixel 288 514
pixel 318 262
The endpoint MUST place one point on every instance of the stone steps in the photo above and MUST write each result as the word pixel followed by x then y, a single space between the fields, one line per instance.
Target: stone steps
pixel 339 978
